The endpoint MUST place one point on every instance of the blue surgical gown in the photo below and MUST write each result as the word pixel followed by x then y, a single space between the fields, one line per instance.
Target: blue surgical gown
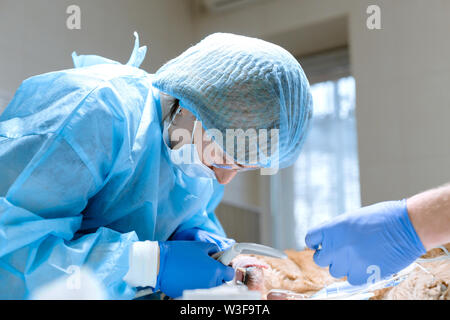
pixel 84 173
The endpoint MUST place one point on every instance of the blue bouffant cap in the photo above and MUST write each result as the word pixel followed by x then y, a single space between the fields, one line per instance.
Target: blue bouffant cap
pixel 247 85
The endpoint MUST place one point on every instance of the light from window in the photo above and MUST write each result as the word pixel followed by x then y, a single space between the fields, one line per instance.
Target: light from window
pixel 327 173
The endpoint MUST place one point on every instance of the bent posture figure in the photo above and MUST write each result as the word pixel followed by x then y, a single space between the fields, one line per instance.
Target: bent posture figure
pixel 87 169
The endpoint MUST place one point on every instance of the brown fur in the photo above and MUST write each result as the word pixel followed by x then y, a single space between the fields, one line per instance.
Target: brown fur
pixel 300 274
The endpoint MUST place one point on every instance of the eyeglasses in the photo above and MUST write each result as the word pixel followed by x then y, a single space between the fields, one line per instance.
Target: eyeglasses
pixel 234 167
pixel 230 167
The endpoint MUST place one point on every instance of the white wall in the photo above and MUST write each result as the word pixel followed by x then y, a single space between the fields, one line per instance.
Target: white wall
pixel 34 38
pixel 403 102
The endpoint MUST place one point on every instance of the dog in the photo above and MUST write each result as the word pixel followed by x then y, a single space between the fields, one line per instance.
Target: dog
pixel 301 277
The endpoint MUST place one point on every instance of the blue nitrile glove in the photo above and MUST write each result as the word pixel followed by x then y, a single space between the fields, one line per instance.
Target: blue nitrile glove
pixel 196 234
pixel 187 265
pixel 378 238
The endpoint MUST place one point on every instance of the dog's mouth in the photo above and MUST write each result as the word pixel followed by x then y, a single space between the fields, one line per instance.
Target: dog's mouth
pixel 250 272
pixel 249 276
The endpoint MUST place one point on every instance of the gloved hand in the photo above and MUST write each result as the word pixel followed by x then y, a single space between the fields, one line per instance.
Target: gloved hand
pixel 196 234
pixel 187 265
pixel 378 238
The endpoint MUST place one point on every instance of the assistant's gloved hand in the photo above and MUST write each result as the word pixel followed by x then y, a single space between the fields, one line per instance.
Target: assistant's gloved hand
pixel 187 265
pixel 196 234
pixel 380 236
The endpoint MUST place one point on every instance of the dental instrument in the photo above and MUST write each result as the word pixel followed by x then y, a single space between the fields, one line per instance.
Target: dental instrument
pixel 247 248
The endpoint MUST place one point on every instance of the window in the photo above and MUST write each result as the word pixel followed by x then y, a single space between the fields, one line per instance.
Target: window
pixel 326 175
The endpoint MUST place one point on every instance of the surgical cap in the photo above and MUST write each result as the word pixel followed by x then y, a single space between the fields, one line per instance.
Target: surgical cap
pixel 236 82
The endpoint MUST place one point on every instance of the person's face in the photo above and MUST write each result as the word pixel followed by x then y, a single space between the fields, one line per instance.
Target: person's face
pixel 214 158
pixel 209 152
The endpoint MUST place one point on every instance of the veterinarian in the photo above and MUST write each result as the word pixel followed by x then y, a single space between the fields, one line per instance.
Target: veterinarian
pixel 384 237
pixel 91 177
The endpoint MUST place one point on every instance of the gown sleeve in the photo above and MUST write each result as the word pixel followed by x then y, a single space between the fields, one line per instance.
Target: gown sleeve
pixel 57 148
